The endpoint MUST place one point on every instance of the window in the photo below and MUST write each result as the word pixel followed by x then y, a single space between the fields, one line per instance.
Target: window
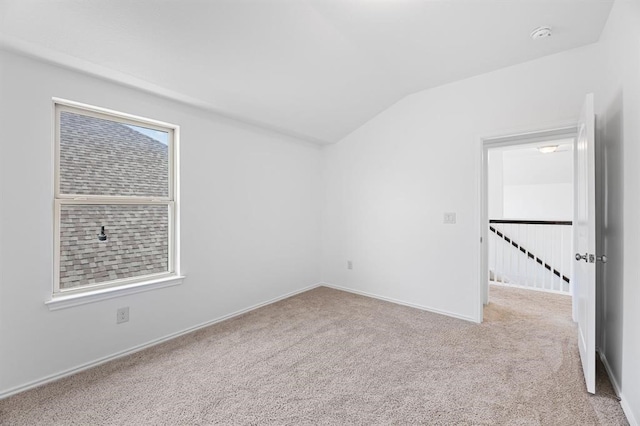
pixel 115 206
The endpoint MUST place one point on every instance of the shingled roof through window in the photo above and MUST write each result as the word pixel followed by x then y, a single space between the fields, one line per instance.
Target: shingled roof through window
pixel 103 157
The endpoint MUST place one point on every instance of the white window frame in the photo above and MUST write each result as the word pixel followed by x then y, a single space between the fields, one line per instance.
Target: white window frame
pixel 68 297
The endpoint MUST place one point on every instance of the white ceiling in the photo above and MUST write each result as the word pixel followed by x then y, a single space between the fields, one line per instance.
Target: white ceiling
pixel 525 165
pixel 313 68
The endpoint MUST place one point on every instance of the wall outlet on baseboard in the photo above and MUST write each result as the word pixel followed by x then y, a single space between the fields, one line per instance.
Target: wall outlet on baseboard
pixel 349 264
pixel 122 315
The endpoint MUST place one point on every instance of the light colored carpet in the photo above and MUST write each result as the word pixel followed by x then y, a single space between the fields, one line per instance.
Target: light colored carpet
pixel 330 357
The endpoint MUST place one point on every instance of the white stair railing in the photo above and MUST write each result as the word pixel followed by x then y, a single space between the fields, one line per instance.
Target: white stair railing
pixel 532 254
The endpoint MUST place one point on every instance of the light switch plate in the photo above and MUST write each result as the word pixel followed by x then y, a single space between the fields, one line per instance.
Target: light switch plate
pixel 450 218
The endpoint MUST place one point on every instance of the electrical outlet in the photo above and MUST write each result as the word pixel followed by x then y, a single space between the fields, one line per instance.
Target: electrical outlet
pixel 349 264
pixel 122 315
pixel 449 218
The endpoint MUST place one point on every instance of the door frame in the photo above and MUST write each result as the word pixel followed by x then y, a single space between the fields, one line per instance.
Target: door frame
pixel 506 139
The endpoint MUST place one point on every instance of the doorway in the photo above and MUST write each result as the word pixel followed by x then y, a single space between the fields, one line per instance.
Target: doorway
pixel 527 210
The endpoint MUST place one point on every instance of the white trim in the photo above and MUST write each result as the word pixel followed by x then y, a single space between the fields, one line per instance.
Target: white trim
pixel 174 231
pixel 122 282
pixel 50 56
pixel 109 199
pixel 99 361
pixel 60 200
pixel 482 291
pixel 607 367
pixel 626 408
pixel 523 287
pixel 530 136
pixel 62 300
pixel 514 137
pixel 109 114
pixel 628 412
pixel 401 302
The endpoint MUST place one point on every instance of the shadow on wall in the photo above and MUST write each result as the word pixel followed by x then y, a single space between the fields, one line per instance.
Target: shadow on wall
pixel 610 204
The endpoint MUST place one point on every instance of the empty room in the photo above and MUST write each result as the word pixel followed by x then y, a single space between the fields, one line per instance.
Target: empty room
pixel 328 212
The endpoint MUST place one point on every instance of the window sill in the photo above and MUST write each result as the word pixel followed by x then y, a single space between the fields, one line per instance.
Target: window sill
pixel 69 300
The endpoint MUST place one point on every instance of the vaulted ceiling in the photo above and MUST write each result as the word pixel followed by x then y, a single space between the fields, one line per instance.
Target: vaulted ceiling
pixel 316 69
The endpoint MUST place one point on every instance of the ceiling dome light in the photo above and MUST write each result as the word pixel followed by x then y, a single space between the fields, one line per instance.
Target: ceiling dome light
pixel 548 149
pixel 541 32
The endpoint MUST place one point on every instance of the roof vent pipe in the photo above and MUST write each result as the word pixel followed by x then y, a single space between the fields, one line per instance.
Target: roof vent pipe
pixel 102 236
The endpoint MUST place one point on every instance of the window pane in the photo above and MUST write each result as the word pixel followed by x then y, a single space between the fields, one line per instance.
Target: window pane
pixel 137 242
pixel 104 157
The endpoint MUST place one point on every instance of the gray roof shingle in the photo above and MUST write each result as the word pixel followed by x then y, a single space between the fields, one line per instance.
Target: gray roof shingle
pixel 103 157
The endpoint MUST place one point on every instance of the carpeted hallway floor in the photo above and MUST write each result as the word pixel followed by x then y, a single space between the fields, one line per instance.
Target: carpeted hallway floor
pixel 330 357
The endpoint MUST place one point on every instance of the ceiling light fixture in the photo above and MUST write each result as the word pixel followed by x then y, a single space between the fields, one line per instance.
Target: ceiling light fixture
pixel 541 32
pixel 548 149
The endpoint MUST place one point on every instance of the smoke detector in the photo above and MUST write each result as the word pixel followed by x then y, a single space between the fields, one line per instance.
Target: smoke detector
pixel 541 32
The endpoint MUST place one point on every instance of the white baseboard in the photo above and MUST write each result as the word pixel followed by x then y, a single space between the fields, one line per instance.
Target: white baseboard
pixel 95 363
pixel 400 302
pixel 524 287
pixel 616 387
pixel 627 412
pixel 607 367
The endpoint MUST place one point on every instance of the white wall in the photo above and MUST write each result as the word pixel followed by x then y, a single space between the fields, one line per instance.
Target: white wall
pixel 618 134
pixel 552 201
pixel 526 184
pixel 250 213
pixel 538 186
pixel 388 184
pixel 495 184
pixel 250 224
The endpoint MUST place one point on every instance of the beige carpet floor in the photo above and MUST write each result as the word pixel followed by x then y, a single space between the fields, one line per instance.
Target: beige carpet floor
pixel 330 357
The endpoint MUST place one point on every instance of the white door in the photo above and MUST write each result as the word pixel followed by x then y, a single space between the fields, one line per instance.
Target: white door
pixel 584 242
